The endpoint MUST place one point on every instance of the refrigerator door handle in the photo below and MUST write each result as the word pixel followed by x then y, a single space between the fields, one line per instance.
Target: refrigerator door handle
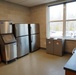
pixel 30 27
pixel 31 38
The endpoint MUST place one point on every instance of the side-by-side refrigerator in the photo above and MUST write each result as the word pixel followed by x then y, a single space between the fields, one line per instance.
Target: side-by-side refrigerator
pixel 22 36
pixel 34 37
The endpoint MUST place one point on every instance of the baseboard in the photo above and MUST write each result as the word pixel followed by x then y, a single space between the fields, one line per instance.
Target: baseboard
pixel 67 52
pixel 43 48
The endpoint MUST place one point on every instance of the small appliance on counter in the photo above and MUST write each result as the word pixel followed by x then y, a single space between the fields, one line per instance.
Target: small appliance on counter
pixel 7 41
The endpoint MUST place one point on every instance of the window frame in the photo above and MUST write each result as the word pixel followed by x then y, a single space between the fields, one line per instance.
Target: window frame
pixel 64 18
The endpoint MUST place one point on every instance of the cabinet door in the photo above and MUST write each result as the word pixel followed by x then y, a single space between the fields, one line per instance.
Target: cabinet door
pixel 68 72
pixel 58 47
pixel 0 53
pixel 0 58
pixel 49 46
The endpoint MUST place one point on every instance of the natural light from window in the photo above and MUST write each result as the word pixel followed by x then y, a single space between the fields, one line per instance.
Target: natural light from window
pixel 56 21
pixel 70 20
pixel 62 20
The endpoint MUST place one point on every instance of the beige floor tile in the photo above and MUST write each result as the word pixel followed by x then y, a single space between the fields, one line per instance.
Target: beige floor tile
pixel 36 63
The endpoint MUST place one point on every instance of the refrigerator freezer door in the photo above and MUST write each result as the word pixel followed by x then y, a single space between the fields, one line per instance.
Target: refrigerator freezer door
pixel 5 27
pixel 21 29
pixel 35 42
pixel 34 28
pixel 23 46
pixel 10 52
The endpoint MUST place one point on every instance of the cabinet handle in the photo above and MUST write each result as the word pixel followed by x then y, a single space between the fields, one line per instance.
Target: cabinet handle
pixel 49 42
pixel 57 43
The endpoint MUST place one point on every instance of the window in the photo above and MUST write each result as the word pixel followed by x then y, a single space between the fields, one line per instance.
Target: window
pixel 56 21
pixel 70 20
pixel 62 20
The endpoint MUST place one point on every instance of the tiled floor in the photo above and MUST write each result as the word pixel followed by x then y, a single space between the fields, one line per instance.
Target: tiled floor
pixel 36 63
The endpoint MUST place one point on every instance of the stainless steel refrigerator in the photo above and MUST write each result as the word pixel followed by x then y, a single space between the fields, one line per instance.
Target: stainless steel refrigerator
pixel 22 36
pixel 34 37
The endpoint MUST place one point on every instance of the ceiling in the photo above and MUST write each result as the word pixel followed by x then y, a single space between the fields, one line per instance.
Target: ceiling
pixel 30 3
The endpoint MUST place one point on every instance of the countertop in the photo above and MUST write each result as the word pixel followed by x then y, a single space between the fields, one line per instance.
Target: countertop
pixel 71 64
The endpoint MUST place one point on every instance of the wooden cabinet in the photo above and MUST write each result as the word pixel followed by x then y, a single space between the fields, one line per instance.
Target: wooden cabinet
pixel 68 72
pixel 55 46
pixel 58 47
pixel 0 58
pixel 49 46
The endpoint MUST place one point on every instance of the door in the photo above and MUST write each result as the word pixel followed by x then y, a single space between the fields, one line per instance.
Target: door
pixel 21 29
pixel 22 46
pixel 49 46
pixel 58 47
pixel 35 42
pixel 34 28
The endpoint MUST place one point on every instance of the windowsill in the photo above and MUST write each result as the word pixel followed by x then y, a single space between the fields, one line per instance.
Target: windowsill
pixel 64 38
pixel 71 39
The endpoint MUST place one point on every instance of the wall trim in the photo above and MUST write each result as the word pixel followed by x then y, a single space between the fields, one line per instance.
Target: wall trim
pixel 43 48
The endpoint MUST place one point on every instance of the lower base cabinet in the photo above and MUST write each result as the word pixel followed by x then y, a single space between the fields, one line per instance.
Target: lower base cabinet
pixel 58 47
pixel 68 72
pixel 49 46
pixel 55 46
pixel 0 58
